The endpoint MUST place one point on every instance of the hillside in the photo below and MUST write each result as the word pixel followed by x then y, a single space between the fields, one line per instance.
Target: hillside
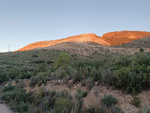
pixel 36 80
pixel 90 48
pixel 139 43
pixel 90 37
pixel 79 74
pixel 122 37
pixel 109 39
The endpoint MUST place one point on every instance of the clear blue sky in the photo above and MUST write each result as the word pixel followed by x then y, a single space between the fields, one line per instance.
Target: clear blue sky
pixel 27 21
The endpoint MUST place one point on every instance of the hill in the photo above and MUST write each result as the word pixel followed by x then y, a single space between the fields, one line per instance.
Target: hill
pixel 139 43
pixel 108 39
pixel 36 80
pixel 122 37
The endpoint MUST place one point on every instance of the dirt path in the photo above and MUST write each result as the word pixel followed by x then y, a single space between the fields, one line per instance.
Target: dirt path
pixel 4 109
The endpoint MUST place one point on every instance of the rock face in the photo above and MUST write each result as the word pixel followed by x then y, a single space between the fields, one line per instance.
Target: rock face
pixel 109 39
pixel 122 37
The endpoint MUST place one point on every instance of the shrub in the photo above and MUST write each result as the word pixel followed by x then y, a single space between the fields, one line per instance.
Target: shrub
pixel 34 55
pixel 13 73
pixel 128 81
pixel 63 105
pixel 77 76
pixel 89 83
pixel 62 60
pixel 38 61
pixel 40 78
pixel 141 50
pixel 3 77
pixel 95 73
pixel 24 75
pixel 60 73
pixel 109 101
pixel 8 88
pixel 16 95
pixel 136 102
pixel 79 94
pixel 21 107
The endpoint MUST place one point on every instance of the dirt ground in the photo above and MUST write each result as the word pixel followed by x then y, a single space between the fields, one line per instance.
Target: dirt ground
pixel 4 109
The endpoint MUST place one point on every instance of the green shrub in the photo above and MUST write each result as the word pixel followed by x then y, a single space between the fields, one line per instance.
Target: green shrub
pixel 16 95
pixel 79 94
pixel 40 78
pixel 76 76
pixel 136 102
pixel 24 75
pixel 21 107
pixel 3 77
pixel 109 100
pixel 128 81
pixel 8 88
pixel 34 55
pixel 141 50
pixel 38 61
pixel 63 105
pixel 13 73
pixel 60 73
pixel 62 60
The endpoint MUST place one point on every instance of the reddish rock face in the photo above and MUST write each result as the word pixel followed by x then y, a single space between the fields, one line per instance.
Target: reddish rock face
pixel 122 37
pixel 109 39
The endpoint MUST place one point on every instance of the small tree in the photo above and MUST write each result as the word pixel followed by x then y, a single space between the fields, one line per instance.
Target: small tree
pixel 62 60
pixel 141 50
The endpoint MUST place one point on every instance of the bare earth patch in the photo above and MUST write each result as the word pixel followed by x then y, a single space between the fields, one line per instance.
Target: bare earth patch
pixel 4 109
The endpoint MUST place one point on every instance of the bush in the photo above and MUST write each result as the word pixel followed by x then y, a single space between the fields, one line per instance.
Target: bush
pixel 76 76
pixel 3 77
pixel 108 101
pixel 79 94
pixel 16 95
pixel 89 83
pixel 62 60
pixel 21 107
pixel 60 73
pixel 141 50
pixel 13 73
pixel 136 102
pixel 63 105
pixel 40 78
pixel 128 81
pixel 24 75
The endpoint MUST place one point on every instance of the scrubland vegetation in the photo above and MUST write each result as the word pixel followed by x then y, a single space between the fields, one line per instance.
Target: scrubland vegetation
pixel 127 73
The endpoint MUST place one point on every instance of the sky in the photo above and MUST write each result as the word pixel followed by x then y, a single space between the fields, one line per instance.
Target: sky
pixel 27 21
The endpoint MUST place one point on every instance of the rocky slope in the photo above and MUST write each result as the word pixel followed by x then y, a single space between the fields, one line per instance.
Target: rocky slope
pixel 90 48
pixel 109 39
pixel 139 43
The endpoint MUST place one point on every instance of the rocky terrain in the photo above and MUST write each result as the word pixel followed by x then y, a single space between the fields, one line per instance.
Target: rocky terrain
pixel 108 39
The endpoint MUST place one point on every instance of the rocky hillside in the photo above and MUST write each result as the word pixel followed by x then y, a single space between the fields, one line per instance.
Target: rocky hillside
pixel 139 43
pixel 108 39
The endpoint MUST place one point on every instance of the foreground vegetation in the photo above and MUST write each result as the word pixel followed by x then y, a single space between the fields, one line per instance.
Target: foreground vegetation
pixel 128 73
